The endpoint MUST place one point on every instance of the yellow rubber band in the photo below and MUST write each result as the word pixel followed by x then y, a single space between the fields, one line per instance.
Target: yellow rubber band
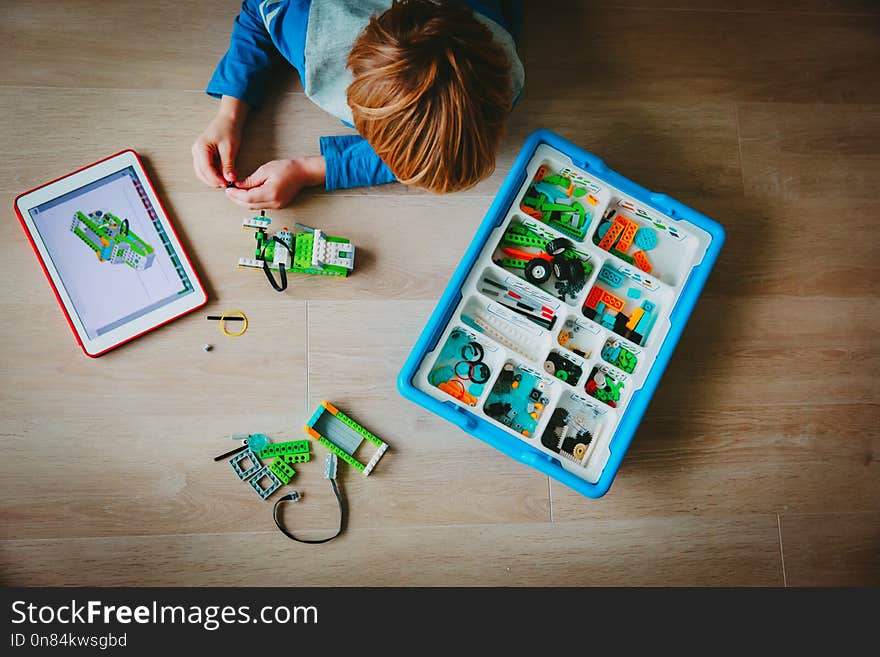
pixel 223 322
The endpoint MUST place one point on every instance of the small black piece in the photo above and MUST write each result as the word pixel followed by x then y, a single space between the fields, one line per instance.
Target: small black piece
pixel 497 409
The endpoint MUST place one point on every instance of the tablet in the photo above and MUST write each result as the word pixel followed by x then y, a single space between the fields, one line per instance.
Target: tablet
pixel 110 252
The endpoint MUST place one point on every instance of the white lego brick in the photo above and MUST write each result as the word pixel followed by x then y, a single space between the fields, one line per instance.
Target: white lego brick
pixel 250 263
pixel 373 461
pixel 256 222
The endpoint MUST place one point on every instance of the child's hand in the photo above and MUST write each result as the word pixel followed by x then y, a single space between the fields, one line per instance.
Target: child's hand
pixel 276 183
pixel 215 150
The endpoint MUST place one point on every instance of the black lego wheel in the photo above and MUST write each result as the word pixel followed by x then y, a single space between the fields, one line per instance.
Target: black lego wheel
pixel 566 269
pixel 558 246
pixel 537 271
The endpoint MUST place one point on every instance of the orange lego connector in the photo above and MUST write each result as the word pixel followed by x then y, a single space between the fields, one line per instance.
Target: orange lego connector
pixel 629 234
pixel 614 231
pixel 642 261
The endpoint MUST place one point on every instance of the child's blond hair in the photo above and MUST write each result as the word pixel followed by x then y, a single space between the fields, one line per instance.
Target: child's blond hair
pixel 430 93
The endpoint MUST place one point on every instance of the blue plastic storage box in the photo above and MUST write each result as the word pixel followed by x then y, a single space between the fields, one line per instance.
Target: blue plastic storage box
pixel 557 325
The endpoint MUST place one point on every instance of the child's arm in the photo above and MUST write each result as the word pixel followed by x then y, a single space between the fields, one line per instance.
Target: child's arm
pixel 219 143
pixel 240 81
pixel 352 162
pixel 345 161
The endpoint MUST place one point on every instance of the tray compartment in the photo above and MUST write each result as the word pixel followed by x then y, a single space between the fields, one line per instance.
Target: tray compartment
pixel 628 308
pixel 644 241
pixel 579 337
pixel 506 328
pixel 607 385
pixel 563 199
pixel 464 366
pixel 518 297
pixel 574 428
pixel 621 354
pixel 518 398
pixel 568 368
pixel 543 258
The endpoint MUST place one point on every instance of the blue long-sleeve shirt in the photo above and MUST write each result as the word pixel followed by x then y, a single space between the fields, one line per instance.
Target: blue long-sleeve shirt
pixel 265 26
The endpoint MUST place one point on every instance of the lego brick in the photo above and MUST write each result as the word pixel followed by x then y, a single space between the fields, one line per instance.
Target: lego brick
pixel 592 200
pixel 277 449
pixel 611 276
pixel 236 460
pixel 626 361
pixel 646 239
pixel 594 297
pixel 648 306
pixel 629 233
pixel 613 302
pixel 600 309
pixel 330 466
pixel 259 476
pixel 282 470
pixel 610 353
pixel 613 233
pixel 634 293
pixel 343 436
pixel 642 261
pixel 634 318
pixel 348 458
pixel 304 457
pixel 644 325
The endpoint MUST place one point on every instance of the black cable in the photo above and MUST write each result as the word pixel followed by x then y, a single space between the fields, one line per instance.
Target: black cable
pixel 281 270
pixel 293 497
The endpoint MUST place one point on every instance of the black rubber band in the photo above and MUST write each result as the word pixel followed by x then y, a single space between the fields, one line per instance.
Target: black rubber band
pixel 293 496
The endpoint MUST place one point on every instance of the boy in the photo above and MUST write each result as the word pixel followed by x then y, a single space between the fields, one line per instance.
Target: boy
pixel 428 85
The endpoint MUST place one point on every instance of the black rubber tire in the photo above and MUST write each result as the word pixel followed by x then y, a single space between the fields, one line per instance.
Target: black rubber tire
pixel 558 246
pixel 537 271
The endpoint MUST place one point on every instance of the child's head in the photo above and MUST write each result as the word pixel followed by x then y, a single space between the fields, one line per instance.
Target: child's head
pixel 431 92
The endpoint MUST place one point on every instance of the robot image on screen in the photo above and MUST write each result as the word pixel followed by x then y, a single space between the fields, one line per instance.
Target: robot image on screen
pixel 111 252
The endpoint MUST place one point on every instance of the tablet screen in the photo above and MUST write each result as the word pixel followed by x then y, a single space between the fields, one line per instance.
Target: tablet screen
pixel 111 252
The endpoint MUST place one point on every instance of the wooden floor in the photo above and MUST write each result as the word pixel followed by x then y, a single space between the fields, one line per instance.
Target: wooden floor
pixel 756 463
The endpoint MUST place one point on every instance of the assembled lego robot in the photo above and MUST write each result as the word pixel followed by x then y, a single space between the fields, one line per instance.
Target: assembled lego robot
pixel 310 251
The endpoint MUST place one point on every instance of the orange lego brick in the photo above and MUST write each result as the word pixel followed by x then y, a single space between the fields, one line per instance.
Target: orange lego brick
pixel 634 318
pixel 592 200
pixel 594 297
pixel 629 234
pixel 540 173
pixel 613 302
pixel 613 233
pixel 642 261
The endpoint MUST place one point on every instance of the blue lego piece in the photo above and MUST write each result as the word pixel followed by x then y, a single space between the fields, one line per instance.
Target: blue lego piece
pixel 610 353
pixel 648 306
pixel 645 239
pixel 645 324
pixel 603 229
pixel 611 276
pixel 551 191
pixel 634 293
pixel 600 308
pixel 257 441
pixel 608 321
pixel 265 473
